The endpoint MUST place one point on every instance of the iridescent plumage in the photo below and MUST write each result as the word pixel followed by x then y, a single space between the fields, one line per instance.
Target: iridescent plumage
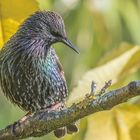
pixel 31 75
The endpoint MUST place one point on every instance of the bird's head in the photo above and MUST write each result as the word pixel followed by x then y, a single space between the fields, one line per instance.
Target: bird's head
pixel 47 25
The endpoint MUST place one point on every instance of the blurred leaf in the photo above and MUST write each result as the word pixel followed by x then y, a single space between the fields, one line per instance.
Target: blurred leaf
pixel 135 131
pixel 101 126
pixel 45 4
pixel 8 28
pixel 131 18
pixel 115 52
pixel 111 70
pixel 121 123
pixel 12 13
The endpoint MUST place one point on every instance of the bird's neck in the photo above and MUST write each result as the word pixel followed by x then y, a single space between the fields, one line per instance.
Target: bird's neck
pixel 36 48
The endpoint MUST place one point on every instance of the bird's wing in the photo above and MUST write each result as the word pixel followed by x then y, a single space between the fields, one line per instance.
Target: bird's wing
pixel 58 75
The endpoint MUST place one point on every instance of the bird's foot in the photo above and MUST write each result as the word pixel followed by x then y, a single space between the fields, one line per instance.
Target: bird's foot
pixel 60 132
pixel 17 123
pixel 69 129
pixel 72 128
pixel 12 127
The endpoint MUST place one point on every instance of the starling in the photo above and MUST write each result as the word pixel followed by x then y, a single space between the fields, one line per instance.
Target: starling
pixel 31 75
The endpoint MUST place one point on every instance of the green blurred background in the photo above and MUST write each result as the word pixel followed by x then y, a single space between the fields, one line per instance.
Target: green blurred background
pixel 103 30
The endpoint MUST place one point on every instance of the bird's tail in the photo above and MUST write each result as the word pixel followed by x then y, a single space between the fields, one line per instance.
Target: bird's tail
pixel 69 129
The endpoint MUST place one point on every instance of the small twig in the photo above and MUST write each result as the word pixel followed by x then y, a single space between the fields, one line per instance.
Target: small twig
pixel 93 88
pixel 103 89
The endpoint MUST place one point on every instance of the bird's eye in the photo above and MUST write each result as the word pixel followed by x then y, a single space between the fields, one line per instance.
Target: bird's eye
pixel 56 34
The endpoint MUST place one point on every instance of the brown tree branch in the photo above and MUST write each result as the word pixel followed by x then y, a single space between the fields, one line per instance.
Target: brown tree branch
pixel 42 123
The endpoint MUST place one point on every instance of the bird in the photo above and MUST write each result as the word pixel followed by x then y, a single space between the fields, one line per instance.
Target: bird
pixel 31 75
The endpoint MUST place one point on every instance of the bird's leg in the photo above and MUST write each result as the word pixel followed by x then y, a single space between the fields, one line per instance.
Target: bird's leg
pixel 54 107
pixel 25 117
pixel 57 106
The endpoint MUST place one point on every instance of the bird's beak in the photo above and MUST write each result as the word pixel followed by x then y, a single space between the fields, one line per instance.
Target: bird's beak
pixel 69 44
